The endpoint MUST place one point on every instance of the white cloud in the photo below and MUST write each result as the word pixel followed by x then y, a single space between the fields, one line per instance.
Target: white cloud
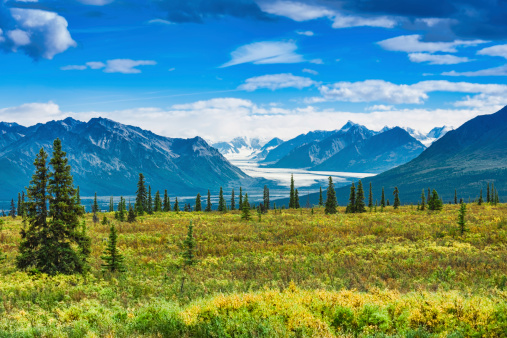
pixel 499 50
pixel 437 59
pixel 496 71
pixel 372 90
pixel 483 101
pixel 306 33
pixel 310 71
pixel 357 21
pixel 125 66
pixel 277 81
pixel 379 107
pixel 160 21
pixel 296 11
pixel 95 2
pixel 266 52
pixel 317 61
pixel 31 113
pixel 413 44
pixel 299 11
pixel 383 91
pixel 38 33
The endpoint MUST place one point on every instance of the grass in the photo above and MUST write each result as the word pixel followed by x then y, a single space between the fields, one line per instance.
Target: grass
pixel 397 273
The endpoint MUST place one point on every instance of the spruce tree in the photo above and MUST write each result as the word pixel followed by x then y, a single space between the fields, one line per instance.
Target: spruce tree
pixel 245 209
pixel 78 203
pixel 131 215
pixel 423 203
pixel 176 205
pixel 158 202
pixel 383 199
pixel 321 201
pixel 12 211
pixel 266 197
pixel 95 209
pixel 240 205
pixel 19 204
pixel 370 198
pixel 121 210
pixel 296 200
pixel 461 219
pixel 198 203
pixel 359 206
pixel 141 205
pixel 208 204
pixel 149 205
pixel 352 199
pixel 292 198
pixel 111 204
pixel 167 203
pixel 455 197
pixel 114 261
pixel 330 198
pixel 435 203
pixel 480 199
pixel 221 201
pixel 233 201
pixel 396 194
pixel 189 247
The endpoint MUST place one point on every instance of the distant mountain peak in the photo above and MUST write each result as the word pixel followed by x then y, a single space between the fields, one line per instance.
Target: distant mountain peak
pixel 348 125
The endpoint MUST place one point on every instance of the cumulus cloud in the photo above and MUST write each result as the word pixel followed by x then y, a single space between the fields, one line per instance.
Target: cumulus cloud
pixel 413 44
pixel 266 52
pixel 310 71
pixel 437 59
pixel 277 81
pixel 496 71
pixel 38 33
pixel 301 11
pixel 31 113
pixel 383 91
pixel 498 50
pixel 125 66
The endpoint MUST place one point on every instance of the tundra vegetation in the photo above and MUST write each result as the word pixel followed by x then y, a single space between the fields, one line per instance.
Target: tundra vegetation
pixel 403 271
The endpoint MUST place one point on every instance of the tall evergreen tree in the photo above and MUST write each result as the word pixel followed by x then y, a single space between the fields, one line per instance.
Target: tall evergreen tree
pixel 331 198
pixel 266 197
pixel 245 209
pixel 167 203
pixel 198 203
pixel 292 198
pixel 461 219
pixel 480 199
pixel 233 200
pixel 455 196
pixel 221 201
pixel 141 205
pixel 423 205
pixel 19 204
pixel 189 246
pixel 360 207
pixel 296 200
pixel 370 198
pixel 240 205
pixel 12 211
pixel 121 210
pixel 149 205
pixel 114 261
pixel 158 202
pixel 383 199
pixel 351 207
pixel 435 203
pixel 176 205
pixel 131 215
pixel 321 201
pixel 95 205
pixel 111 204
pixel 78 202
pixel 208 204
pixel 396 194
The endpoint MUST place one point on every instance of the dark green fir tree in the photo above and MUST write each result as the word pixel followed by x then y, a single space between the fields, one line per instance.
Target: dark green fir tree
pixel 141 205
pixel 167 202
pixel 423 202
pixel 330 198
pixel 240 205
pixel 370 198
pixel 245 209
pixel 233 200
pixel 351 207
pixel 321 201
pixel 208 204
pixel 360 206
pixel 435 203
pixel 176 205
pixel 382 199
pixel 157 202
pixel 113 260
pixel 266 198
pixel 221 201
pixel 12 211
pixel 292 195
pixel 189 247
pixel 198 206
pixel 296 200
pixel 396 194
pixel 149 205
pixel 461 219
pixel 131 214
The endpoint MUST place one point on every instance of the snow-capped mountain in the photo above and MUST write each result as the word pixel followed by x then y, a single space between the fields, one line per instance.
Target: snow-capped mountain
pixel 242 147
pixel 106 157
pixel 429 138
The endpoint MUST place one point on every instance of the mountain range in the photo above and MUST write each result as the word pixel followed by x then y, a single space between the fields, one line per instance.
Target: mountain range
pixel 245 147
pixel 107 156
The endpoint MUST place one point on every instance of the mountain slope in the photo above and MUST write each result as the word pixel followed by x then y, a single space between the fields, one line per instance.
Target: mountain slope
pixel 316 152
pixel 264 151
pixel 376 154
pixel 107 157
pixel 10 133
pixel 464 159
pixel 241 146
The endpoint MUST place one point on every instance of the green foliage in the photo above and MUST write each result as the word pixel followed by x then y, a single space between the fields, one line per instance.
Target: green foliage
pixel 176 205
pixel 296 200
pixel 189 247
pixel 198 206
pixel 131 214
pixel 461 219
pixel 141 205
pixel 114 261
pixel 321 201
pixel 351 207
pixel 167 202
pixel 245 209
pixel 208 203
pixel 423 202
pixel 158 202
pixel 149 205
pixel 435 203
pixel 383 199
pixel 222 207
pixel 331 198
pixel 292 194
pixel 233 201
pixel 265 198
pixel 396 194
pixel 359 202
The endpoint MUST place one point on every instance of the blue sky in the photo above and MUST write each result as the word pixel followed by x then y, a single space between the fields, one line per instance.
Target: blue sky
pixel 226 68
